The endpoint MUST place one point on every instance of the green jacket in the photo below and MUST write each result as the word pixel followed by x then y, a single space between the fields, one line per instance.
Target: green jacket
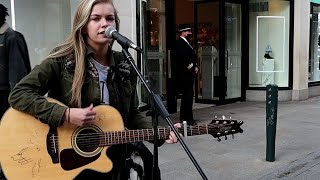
pixel 55 77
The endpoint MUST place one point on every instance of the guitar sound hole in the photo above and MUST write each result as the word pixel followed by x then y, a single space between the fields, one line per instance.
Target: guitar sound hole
pixel 88 140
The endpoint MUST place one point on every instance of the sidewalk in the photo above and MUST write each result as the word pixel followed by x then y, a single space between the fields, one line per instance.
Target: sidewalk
pixel 297 144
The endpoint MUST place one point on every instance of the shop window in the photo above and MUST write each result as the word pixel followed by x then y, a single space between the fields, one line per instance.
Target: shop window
pixel 269 22
pixel 44 23
pixel 314 55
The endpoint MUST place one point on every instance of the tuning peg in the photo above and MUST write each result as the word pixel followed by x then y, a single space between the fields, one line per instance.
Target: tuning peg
pixel 219 138
pixel 223 117
pixel 225 137
pixel 215 117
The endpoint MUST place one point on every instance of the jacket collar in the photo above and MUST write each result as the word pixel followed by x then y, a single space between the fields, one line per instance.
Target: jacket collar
pixel 186 41
pixel 3 28
pixel 90 51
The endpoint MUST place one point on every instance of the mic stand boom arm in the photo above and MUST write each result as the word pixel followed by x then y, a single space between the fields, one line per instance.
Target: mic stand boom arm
pixel 158 105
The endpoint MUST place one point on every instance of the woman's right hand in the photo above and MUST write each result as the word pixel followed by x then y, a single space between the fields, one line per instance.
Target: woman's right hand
pixel 80 116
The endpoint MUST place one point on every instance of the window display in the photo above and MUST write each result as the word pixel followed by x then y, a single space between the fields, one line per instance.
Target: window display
pixel 269 43
pixel 314 59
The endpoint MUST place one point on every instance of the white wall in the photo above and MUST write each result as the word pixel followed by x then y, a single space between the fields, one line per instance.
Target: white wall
pixel 46 23
pixel 127 14
pixel 301 49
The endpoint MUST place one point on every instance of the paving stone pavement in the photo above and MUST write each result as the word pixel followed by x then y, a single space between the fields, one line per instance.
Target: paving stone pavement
pixel 297 150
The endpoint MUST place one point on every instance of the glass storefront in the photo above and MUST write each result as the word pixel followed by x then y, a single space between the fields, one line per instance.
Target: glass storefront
pixel 314 55
pixel 269 27
pixel 153 37
pixel 219 44
pixel 233 49
pixel 208 49
pixel 239 45
pixel 51 23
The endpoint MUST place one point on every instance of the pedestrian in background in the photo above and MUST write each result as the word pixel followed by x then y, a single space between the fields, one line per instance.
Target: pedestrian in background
pixel 187 67
pixel 14 59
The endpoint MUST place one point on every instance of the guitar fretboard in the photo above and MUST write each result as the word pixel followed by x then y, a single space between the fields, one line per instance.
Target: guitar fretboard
pixel 129 136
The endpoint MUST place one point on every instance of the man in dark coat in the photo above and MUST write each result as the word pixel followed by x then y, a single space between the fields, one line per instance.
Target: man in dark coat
pixel 14 59
pixel 187 67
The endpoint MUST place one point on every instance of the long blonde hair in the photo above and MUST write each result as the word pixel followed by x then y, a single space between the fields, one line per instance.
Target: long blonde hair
pixel 75 43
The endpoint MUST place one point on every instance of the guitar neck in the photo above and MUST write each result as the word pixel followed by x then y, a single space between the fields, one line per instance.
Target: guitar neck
pixel 130 136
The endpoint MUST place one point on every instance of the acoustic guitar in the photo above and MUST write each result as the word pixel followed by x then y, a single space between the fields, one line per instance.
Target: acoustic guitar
pixel 30 149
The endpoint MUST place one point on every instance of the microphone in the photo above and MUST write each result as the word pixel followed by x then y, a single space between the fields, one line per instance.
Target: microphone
pixel 111 32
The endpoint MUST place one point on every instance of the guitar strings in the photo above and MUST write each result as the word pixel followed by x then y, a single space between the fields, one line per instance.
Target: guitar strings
pixel 189 129
pixel 127 136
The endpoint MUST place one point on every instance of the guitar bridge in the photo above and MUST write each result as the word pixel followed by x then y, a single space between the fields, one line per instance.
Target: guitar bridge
pixel 52 145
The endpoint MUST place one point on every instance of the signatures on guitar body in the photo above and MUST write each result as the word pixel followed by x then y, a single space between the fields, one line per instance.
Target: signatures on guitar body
pixel 21 157
pixel 25 157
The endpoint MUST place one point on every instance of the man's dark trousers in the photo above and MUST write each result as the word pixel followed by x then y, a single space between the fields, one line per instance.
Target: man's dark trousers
pixel 186 113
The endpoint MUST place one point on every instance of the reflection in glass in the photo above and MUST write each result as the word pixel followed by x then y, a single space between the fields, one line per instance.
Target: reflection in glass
pixel 233 50
pixel 208 50
pixel 154 60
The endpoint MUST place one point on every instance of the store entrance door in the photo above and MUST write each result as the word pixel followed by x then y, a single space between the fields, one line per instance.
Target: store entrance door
pixel 233 49
pixel 218 29
pixel 153 62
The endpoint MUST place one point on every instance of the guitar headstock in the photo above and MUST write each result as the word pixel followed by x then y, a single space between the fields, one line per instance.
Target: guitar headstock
pixel 217 128
pixel 223 127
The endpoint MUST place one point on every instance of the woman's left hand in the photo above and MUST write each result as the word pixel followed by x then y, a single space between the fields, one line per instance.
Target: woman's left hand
pixel 172 137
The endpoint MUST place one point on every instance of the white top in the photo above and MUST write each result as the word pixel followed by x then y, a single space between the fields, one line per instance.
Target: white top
pixel 103 74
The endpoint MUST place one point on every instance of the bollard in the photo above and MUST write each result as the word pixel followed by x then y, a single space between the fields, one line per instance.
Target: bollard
pixel 271 120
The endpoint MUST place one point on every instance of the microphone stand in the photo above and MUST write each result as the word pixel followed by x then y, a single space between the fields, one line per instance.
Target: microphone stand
pixel 160 108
